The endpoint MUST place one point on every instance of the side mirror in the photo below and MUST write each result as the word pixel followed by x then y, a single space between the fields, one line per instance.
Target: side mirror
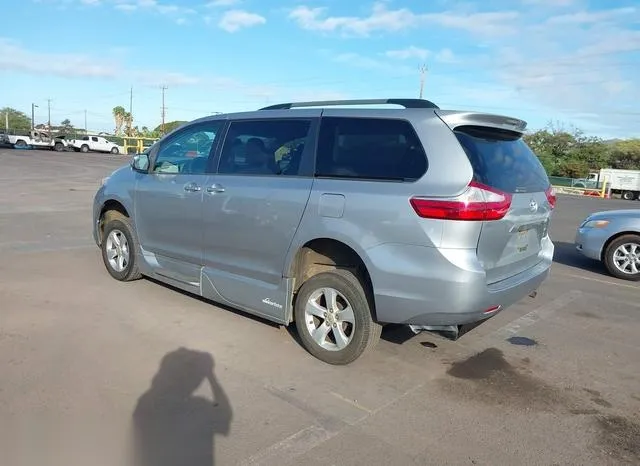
pixel 140 163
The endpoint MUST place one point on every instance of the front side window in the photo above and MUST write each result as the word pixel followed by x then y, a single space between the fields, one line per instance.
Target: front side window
pixel 94 139
pixel 188 151
pixel 369 148
pixel 264 147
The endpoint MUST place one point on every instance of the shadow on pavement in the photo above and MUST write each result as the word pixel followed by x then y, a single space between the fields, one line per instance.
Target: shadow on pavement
pixel 566 254
pixel 171 425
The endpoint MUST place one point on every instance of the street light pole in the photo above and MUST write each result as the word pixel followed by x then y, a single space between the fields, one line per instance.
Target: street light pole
pixel 33 119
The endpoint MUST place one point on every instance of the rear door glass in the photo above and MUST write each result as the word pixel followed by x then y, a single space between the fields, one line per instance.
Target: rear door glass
pixel 502 160
pixel 370 149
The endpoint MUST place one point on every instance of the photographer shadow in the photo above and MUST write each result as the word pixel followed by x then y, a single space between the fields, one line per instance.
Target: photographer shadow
pixel 171 425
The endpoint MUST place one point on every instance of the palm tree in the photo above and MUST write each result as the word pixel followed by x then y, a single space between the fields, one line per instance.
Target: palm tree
pixel 119 115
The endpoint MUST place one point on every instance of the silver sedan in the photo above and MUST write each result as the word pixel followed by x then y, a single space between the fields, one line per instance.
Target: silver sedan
pixel 612 237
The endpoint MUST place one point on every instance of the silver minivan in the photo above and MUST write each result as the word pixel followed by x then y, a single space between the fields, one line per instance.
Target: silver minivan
pixel 338 217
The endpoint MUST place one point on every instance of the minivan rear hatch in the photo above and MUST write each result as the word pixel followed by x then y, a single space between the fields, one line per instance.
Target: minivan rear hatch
pixel 503 162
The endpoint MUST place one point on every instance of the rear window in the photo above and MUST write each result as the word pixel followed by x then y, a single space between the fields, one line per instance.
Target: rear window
pixel 501 159
pixel 369 148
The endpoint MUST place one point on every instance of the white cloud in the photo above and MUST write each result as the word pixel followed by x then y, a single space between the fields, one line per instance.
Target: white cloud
pixel 222 3
pixel 590 17
pixel 409 53
pixel 14 57
pixel 446 56
pixel 234 20
pixel 550 3
pixel 159 78
pixel 381 19
pixel 126 7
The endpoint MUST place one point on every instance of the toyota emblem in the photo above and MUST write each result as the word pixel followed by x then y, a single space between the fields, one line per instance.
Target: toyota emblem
pixel 533 205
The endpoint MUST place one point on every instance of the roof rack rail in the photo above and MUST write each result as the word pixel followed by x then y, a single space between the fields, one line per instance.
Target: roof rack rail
pixel 406 103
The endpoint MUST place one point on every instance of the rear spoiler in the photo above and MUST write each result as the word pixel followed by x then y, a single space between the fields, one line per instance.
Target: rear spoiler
pixel 453 119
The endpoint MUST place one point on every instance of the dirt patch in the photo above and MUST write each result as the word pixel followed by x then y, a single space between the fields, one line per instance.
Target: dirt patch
pixel 602 402
pixel 490 378
pixel 584 412
pixel 588 315
pixel 620 438
pixel 592 392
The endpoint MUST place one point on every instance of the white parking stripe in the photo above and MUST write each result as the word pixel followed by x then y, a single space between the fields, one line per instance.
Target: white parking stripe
pixel 536 315
pixel 606 282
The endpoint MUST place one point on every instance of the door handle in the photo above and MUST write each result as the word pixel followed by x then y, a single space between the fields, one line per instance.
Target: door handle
pixel 215 188
pixel 192 187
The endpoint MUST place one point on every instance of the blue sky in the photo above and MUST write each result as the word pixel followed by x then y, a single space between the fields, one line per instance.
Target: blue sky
pixel 576 62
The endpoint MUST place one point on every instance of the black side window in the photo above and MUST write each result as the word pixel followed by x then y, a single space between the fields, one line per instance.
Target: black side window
pixel 188 151
pixel 264 147
pixel 94 139
pixel 369 148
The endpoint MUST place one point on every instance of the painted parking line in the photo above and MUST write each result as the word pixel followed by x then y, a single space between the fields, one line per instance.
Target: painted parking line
pixel 598 280
pixel 305 440
pixel 530 318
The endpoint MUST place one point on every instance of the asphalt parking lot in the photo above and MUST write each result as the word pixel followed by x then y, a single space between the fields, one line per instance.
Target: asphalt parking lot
pixel 554 380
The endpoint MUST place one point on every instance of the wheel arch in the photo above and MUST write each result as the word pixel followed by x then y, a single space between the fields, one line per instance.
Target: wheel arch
pixel 114 205
pixel 323 254
pixel 614 237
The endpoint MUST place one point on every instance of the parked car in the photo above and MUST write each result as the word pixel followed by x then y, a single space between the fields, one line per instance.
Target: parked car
pixel 613 238
pixel 94 144
pixel 338 219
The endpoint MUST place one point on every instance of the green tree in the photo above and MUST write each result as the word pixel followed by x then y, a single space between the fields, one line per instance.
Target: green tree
pixel 626 154
pixel 568 153
pixel 170 126
pixel 18 121
pixel 119 114
pixel 66 126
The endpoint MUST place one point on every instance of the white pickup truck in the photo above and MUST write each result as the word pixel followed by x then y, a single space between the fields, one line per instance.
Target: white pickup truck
pixel 39 140
pixel 94 144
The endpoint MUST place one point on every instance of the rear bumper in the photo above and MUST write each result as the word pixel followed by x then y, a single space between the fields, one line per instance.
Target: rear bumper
pixel 423 286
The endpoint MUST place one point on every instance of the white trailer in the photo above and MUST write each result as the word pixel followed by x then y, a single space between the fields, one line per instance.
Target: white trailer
pixel 626 183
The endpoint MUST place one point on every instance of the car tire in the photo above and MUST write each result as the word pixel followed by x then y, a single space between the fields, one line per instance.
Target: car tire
pixel 345 335
pixel 119 248
pixel 622 249
pixel 20 142
pixel 84 148
pixel 58 147
pixel 115 151
pixel 628 195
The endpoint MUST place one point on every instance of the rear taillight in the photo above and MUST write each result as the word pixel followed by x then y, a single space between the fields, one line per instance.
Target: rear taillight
pixel 478 202
pixel 551 196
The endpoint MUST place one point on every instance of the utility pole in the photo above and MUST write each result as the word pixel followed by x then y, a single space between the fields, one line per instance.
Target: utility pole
pixel 423 72
pixel 49 118
pixel 131 110
pixel 33 118
pixel 6 122
pixel 164 88
pixel 85 123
